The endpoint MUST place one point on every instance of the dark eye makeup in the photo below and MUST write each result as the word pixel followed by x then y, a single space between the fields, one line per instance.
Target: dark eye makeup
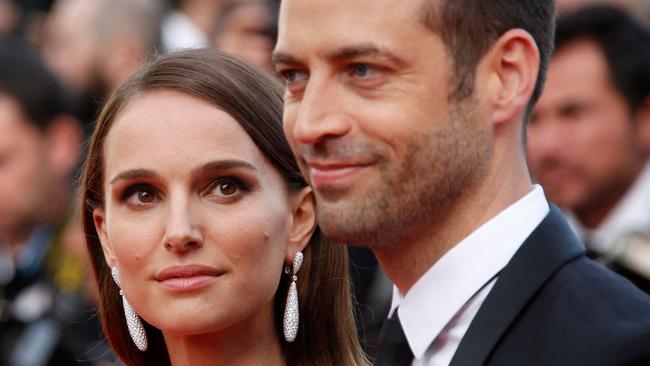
pixel 227 187
pixel 139 194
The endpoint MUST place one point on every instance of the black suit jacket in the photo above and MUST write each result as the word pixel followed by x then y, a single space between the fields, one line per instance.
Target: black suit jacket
pixel 553 306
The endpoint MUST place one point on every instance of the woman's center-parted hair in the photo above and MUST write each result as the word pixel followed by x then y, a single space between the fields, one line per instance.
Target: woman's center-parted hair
pixel 254 99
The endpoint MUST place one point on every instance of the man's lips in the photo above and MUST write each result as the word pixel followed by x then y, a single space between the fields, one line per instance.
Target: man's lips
pixel 187 277
pixel 324 174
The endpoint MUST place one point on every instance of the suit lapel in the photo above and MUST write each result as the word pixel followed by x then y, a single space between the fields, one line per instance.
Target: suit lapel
pixel 549 247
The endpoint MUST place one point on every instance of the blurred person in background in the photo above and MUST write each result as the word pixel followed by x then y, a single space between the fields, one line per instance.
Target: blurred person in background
pixel 189 24
pixel 589 136
pixel 569 6
pixel 45 317
pixel 94 45
pixel 23 18
pixel 639 9
pixel 9 17
pixel 248 29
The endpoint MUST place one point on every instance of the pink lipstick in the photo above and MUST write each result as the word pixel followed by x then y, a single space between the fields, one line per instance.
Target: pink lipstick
pixel 187 277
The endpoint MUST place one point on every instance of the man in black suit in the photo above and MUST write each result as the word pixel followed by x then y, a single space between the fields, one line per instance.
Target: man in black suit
pixel 408 120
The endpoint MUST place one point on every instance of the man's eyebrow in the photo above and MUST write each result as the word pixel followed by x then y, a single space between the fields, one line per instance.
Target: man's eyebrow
pixel 135 174
pixel 283 58
pixel 364 50
pixel 220 165
pixel 344 54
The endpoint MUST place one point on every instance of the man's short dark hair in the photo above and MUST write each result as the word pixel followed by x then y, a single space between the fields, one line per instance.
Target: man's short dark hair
pixel 470 27
pixel 624 43
pixel 24 78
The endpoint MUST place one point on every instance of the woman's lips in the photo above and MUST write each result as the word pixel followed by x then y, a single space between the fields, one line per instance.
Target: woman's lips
pixel 187 277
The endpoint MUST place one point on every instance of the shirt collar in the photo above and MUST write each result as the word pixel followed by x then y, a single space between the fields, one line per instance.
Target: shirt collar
pixel 443 290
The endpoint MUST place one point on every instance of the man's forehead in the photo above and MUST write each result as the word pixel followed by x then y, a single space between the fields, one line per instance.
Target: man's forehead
pixel 360 13
pixel 333 25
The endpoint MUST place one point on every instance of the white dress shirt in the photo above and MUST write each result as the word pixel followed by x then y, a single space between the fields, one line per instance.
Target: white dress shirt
pixel 438 309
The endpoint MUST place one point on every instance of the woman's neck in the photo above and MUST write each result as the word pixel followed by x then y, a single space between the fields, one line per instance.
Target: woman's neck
pixel 241 345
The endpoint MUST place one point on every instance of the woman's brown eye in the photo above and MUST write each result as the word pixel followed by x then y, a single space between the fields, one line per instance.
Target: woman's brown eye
pixel 227 189
pixel 146 197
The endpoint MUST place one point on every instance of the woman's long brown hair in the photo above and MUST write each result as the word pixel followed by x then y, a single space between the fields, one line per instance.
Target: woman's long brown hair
pixel 327 334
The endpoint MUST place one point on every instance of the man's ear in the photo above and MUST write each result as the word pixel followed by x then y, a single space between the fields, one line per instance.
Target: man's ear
pixel 65 137
pixel 513 63
pixel 99 218
pixel 303 222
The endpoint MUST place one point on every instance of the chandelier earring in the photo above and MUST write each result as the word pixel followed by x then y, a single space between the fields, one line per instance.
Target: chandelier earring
pixel 133 322
pixel 291 316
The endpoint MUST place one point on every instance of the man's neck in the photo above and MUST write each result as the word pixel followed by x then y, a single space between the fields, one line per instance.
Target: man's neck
pixel 404 262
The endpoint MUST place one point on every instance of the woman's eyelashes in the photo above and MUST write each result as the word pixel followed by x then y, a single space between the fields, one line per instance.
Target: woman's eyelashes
pixel 223 189
pixel 140 195
pixel 227 188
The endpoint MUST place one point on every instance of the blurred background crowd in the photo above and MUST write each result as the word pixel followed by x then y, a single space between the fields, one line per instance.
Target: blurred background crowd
pixel 588 145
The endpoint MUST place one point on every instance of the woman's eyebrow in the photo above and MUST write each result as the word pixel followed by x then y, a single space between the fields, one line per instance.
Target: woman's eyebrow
pixel 135 173
pixel 220 165
pixel 206 168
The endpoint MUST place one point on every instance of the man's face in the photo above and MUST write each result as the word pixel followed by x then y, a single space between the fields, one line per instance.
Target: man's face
pixel 368 116
pixel 581 138
pixel 23 171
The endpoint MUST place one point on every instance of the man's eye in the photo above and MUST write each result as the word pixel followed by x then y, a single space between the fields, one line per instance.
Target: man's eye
pixel 294 80
pixel 360 70
pixel 292 76
pixel 288 75
pixel 366 75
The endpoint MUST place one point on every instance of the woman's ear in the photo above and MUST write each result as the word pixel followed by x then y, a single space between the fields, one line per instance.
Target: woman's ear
pixel 99 218
pixel 514 61
pixel 303 222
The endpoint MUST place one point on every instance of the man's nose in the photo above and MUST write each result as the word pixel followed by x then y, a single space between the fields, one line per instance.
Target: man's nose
pixel 321 113
pixel 182 233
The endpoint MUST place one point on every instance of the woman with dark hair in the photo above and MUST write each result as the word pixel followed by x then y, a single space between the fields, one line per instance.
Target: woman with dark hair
pixel 197 221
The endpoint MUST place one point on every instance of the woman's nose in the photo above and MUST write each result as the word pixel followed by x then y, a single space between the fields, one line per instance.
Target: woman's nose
pixel 182 233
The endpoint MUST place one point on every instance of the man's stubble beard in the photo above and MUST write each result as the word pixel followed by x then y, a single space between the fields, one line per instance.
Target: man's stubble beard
pixel 439 165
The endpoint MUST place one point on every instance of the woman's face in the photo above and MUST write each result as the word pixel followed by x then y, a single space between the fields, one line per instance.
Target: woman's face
pixel 198 221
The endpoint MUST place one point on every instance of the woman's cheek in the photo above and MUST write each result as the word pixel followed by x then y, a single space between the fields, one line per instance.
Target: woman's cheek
pixel 134 244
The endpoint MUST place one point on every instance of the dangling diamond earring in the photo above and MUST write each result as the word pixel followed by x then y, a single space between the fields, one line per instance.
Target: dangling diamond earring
pixel 291 316
pixel 136 329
